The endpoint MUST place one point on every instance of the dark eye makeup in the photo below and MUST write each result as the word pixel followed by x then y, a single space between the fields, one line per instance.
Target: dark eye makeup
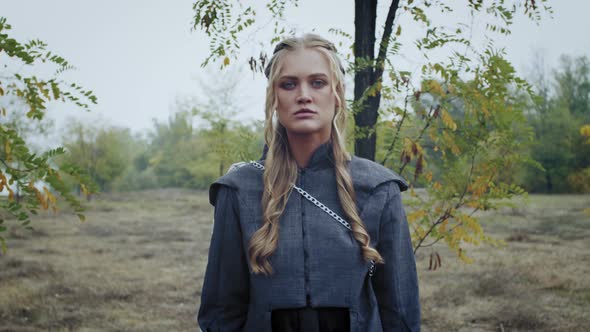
pixel 318 83
pixel 291 84
pixel 287 85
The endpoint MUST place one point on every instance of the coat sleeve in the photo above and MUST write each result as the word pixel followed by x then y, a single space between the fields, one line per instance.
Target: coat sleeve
pixel 225 292
pixel 396 281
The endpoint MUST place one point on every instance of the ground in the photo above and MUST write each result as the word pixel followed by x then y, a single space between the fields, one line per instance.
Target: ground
pixel 138 261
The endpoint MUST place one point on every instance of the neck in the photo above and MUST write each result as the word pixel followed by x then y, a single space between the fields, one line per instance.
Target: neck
pixel 303 146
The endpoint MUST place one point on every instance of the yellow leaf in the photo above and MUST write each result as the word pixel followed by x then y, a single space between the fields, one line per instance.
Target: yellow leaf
pixel 415 215
pixel 434 87
pixel 226 61
pixel 49 195
pixel 419 232
pixel 585 131
pixel 399 30
pixel 448 120
pixel 443 227
pixel 463 257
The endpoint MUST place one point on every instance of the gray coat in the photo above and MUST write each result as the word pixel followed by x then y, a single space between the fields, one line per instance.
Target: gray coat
pixel 317 263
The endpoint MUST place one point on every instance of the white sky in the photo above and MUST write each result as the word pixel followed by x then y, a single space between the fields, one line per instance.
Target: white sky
pixel 139 56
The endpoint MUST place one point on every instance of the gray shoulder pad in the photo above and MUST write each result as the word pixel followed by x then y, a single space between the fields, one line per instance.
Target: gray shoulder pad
pixel 240 176
pixel 366 175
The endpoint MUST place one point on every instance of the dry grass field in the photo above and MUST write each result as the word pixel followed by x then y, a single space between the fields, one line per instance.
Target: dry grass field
pixel 137 264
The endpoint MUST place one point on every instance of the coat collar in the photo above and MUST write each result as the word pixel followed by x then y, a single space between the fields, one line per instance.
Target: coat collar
pixel 321 158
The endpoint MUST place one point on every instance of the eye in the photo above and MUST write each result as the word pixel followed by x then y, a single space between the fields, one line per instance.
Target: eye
pixel 318 83
pixel 287 85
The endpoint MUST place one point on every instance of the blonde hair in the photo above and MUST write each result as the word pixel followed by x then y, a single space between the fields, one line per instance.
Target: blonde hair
pixel 281 168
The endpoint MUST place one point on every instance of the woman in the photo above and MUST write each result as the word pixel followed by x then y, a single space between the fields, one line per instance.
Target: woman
pixel 277 261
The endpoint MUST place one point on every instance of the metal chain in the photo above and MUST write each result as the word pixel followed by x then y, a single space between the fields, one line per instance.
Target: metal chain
pixel 324 208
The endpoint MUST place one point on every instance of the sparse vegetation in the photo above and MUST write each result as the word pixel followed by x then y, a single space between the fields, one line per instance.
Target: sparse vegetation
pixel 137 265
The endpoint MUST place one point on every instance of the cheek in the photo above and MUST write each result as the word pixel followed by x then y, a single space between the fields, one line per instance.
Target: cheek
pixel 282 101
pixel 329 102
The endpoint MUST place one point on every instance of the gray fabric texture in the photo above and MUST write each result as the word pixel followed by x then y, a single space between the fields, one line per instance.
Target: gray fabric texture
pixel 318 263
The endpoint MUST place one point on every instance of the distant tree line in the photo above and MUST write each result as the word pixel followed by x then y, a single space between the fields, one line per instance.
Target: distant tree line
pixel 174 153
pixel 561 109
pixel 193 147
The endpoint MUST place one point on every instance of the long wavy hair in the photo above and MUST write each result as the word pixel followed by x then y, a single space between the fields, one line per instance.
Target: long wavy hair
pixel 281 168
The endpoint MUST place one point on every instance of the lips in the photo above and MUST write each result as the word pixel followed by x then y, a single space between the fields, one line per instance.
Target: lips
pixel 304 111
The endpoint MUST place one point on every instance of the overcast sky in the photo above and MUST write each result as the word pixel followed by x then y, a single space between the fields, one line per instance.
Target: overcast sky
pixel 140 56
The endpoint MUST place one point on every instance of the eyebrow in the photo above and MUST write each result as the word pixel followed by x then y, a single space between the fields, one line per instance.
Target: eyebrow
pixel 295 77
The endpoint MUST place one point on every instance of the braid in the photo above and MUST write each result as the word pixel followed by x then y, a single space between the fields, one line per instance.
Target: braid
pixel 281 169
pixel 347 200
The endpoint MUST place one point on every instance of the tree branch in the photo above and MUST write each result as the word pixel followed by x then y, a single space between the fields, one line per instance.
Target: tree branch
pixel 384 45
pixel 397 132
pixel 430 116
pixel 447 214
pixel 17 170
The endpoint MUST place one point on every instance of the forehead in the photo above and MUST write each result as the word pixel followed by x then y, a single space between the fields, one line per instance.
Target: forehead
pixel 304 62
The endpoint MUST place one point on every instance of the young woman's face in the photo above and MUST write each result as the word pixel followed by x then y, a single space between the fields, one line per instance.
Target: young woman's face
pixel 305 101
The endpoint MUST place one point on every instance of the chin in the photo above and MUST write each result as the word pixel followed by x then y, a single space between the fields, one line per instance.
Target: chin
pixel 303 129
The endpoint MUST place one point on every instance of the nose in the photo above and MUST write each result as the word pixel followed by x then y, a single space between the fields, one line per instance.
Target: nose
pixel 304 96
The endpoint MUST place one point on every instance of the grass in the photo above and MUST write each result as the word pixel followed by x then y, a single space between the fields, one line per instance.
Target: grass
pixel 137 264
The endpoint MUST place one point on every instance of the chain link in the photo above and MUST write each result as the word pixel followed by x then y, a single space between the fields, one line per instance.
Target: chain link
pixel 324 208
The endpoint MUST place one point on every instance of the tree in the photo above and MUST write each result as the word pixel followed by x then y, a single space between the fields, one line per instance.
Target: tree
pixel 562 107
pixel 170 152
pixel 180 154
pixel 227 139
pixel 372 56
pixel 477 144
pixel 20 167
pixel 32 132
pixel 202 139
pixel 103 152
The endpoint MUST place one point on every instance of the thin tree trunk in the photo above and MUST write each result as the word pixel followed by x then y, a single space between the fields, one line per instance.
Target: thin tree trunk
pixel 365 118
pixel 364 47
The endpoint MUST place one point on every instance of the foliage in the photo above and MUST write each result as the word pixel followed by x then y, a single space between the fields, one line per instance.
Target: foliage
pixel 171 153
pixel 189 150
pixel 202 138
pixel 182 155
pixel 463 136
pixel 104 153
pixel 585 132
pixel 34 173
pixel 455 127
pixel 562 108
